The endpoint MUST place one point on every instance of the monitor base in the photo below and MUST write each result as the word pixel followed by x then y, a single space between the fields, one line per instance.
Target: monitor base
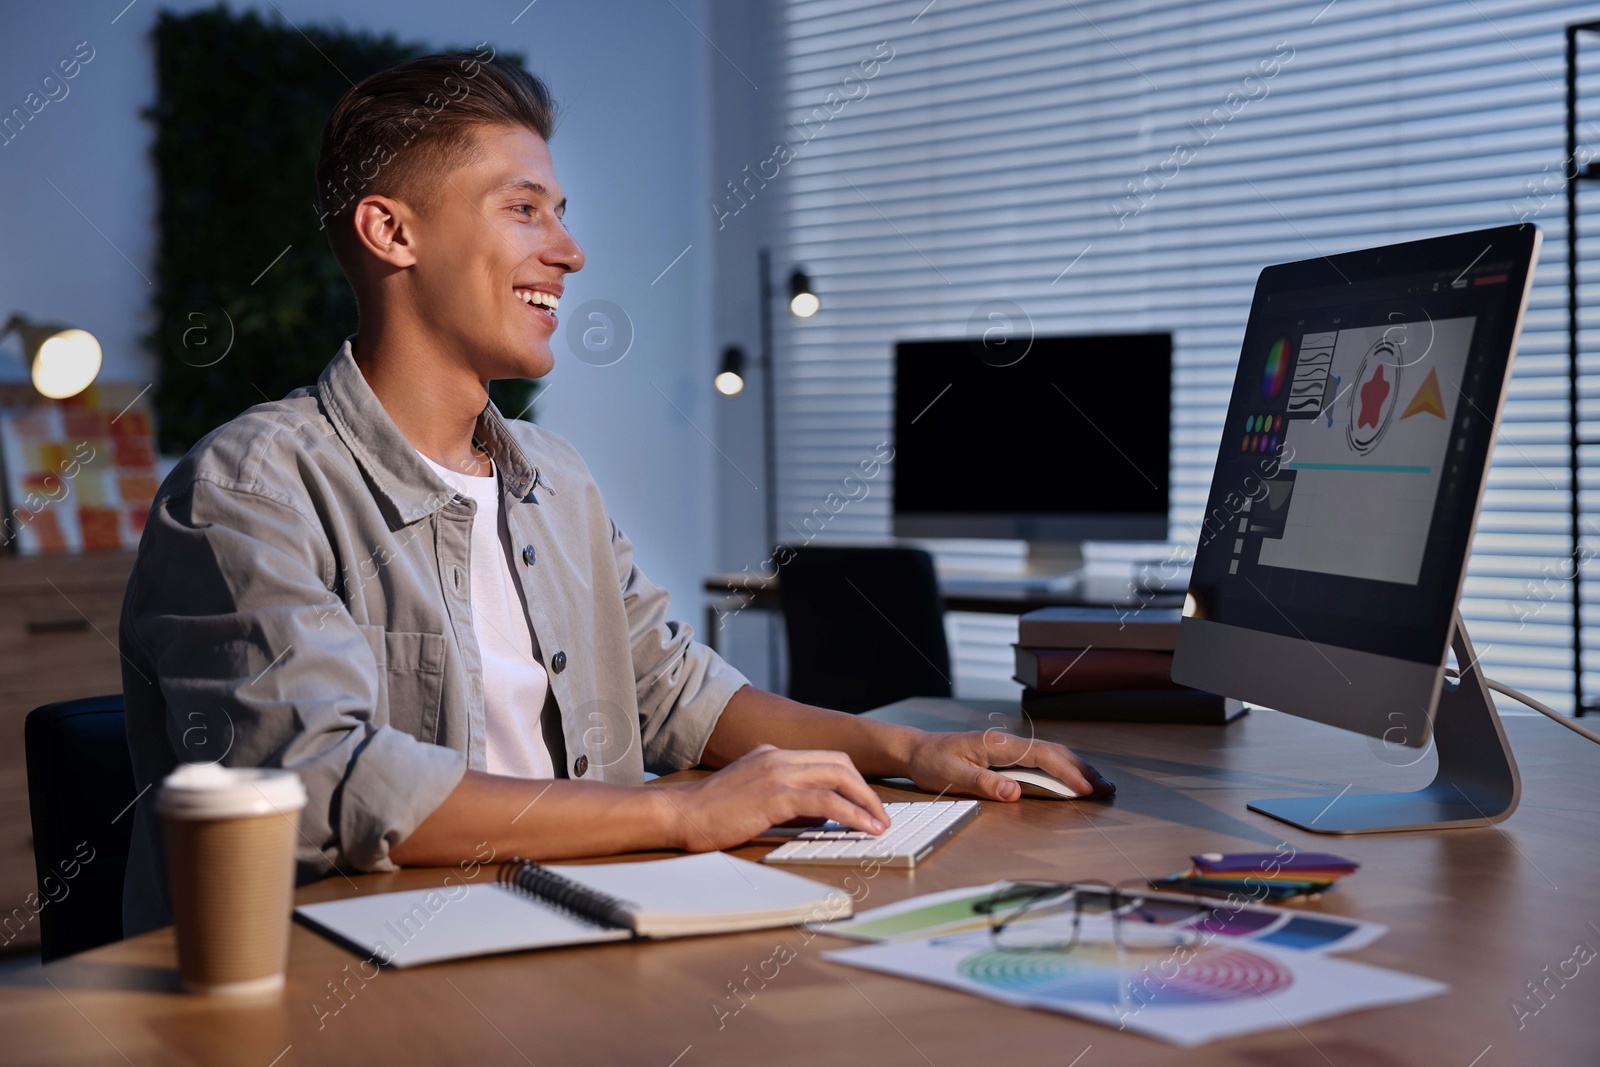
pixel 1476 784
pixel 1053 557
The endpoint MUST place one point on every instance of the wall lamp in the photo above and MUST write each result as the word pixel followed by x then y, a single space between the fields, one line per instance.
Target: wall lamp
pixel 730 379
pixel 802 301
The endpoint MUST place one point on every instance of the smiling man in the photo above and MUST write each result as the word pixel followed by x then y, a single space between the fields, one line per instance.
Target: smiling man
pixel 424 609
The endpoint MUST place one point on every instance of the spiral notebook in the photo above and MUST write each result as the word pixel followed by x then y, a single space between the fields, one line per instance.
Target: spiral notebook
pixel 535 906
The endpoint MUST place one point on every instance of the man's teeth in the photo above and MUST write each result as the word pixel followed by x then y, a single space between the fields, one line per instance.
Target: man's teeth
pixel 538 299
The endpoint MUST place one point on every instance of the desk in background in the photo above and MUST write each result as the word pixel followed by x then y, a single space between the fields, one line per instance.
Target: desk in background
pixel 1486 910
pixel 991 595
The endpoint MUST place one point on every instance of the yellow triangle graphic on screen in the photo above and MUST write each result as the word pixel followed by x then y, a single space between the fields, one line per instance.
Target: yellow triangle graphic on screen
pixel 1427 399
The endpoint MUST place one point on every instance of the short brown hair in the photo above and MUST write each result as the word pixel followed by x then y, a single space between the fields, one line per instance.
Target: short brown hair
pixel 399 131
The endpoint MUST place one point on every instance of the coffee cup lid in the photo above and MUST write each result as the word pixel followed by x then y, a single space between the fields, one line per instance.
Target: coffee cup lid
pixel 210 790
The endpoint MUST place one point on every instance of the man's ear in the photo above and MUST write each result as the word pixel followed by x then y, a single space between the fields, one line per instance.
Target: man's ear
pixel 386 228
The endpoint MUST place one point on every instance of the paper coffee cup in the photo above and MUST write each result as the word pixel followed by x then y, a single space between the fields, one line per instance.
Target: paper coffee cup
pixel 231 835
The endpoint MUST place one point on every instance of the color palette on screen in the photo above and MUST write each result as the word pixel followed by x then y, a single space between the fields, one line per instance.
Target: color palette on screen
pixel 1261 433
pixel 1276 370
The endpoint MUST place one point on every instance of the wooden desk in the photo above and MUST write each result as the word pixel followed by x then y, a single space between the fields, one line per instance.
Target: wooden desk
pixel 1486 910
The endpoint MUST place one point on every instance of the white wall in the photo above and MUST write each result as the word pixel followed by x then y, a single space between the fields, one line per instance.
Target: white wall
pixel 747 88
pixel 631 150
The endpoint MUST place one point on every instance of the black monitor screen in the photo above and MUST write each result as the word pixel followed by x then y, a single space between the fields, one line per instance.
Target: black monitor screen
pixel 1070 440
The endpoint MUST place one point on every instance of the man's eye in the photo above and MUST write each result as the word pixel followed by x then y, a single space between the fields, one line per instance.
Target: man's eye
pixel 523 207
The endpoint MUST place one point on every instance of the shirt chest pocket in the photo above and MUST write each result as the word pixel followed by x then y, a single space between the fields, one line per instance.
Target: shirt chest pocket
pixel 410 680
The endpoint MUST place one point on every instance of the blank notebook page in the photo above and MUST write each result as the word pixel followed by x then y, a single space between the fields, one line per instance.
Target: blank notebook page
pixel 710 892
pixel 428 925
pixel 707 893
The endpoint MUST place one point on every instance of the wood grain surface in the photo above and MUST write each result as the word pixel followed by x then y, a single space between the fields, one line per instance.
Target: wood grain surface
pixel 1487 910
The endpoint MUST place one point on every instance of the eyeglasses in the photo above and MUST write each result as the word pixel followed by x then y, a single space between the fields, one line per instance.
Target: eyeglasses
pixel 1020 915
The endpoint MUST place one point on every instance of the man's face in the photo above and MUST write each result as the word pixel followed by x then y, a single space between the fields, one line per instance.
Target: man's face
pixel 492 241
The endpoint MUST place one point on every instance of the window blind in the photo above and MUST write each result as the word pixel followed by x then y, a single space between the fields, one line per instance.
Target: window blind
pixel 1027 151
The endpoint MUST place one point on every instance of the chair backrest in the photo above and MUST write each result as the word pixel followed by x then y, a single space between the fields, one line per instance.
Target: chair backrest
pixel 80 789
pixel 865 626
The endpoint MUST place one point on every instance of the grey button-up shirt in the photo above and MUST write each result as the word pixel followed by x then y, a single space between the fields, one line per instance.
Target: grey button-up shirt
pixel 301 599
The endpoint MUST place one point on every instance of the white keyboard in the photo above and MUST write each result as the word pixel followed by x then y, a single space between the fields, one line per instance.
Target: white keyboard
pixel 915 829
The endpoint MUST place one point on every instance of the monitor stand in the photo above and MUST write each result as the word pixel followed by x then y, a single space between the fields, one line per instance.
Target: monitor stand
pixel 1476 783
pixel 1053 558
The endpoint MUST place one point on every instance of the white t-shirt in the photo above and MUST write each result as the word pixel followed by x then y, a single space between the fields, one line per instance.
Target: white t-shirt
pixel 514 681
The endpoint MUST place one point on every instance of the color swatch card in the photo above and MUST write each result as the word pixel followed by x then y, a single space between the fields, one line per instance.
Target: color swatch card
pixel 1255 875
pixel 1157 915
pixel 1186 995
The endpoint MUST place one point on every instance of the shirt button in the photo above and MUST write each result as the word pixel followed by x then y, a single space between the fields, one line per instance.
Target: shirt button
pixel 527 555
pixel 558 662
pixel 580 766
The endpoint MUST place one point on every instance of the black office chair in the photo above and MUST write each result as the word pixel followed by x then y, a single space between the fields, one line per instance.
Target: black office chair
pixel 865 626
pixel 80 787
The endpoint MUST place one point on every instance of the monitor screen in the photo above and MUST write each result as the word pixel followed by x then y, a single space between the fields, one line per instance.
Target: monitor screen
pixel 1069 441
pixel 1356 443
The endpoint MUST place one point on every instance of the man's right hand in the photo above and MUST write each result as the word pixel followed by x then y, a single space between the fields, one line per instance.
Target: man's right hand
pixel 768 786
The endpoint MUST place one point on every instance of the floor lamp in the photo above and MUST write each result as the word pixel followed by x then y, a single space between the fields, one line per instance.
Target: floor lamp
pixel 803 303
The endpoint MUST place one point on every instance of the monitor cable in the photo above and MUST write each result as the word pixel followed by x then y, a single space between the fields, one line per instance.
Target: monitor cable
pixel 1523 698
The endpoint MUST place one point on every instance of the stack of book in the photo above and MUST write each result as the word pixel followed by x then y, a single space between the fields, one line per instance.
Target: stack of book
pixel 1110 665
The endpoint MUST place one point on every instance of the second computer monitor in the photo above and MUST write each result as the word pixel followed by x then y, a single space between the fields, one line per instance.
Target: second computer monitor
pixel 1067 441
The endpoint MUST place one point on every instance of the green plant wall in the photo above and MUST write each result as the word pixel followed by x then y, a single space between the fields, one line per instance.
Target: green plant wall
pixel 250 301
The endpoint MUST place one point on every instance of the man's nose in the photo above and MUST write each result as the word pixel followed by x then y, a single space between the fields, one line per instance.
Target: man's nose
pixel 566 254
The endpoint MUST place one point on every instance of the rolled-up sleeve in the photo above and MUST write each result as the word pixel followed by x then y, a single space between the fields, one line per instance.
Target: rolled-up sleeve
pixel 682 685
pixel 231 607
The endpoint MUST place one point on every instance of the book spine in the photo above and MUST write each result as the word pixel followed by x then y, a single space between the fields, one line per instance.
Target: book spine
pixel 1076 670
pixel 1048 633
pixel 1133 705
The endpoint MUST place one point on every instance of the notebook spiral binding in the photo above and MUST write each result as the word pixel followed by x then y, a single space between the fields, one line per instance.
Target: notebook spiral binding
pixel 559 891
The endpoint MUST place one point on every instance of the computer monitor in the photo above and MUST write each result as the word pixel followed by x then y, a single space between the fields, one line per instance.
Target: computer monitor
pixel 1065 439
pixel 1346 490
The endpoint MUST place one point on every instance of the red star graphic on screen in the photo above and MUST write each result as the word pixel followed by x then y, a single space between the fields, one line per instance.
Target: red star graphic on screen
pixel 1373 394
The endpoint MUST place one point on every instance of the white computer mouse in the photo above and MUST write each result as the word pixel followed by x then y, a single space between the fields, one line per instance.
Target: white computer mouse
pixel 1036 783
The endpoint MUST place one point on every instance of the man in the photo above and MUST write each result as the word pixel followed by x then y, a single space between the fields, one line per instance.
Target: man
pixel 423 609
